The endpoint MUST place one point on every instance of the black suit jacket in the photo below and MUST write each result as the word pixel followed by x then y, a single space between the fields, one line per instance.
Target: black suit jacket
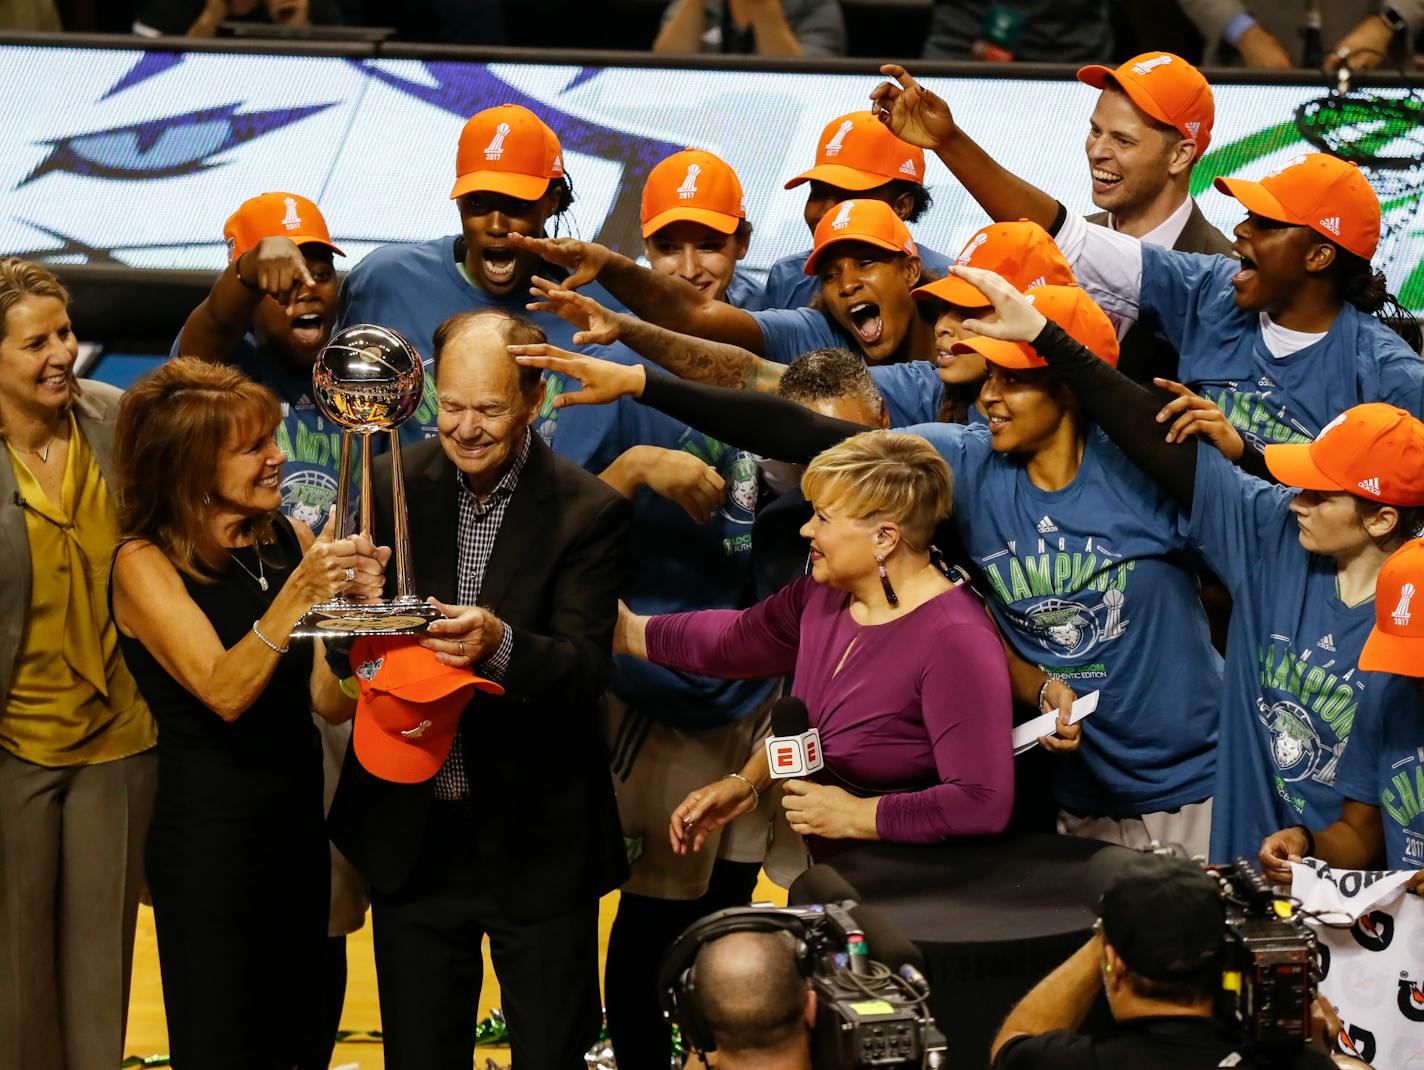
pixel 543 818
pixel 1144 354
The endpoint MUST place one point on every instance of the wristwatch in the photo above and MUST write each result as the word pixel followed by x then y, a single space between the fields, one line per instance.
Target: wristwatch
pixel 1392 19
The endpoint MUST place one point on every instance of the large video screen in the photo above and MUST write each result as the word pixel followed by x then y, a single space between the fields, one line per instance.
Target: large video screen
pixel 137 157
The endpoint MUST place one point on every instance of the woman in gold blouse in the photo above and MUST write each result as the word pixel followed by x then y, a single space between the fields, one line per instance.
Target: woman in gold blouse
pixel 76 769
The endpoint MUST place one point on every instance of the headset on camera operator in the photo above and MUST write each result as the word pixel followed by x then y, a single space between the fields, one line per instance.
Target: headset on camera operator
pixel 1158 953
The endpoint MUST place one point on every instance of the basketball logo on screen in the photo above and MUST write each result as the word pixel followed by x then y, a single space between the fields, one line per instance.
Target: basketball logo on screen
pixel 833 147
pixel 688 189
pixel 495 149
pixel 1401 615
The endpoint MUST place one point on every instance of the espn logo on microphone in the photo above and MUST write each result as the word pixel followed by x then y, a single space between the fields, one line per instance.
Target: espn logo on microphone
pixel 793 756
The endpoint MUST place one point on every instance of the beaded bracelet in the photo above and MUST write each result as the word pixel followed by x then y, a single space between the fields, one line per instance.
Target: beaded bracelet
pixel 279 649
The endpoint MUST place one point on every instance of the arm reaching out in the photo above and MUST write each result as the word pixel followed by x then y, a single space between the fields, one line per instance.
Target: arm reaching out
pixel 686 357
pixel 650 295
pixel 274 267
pixel 915 114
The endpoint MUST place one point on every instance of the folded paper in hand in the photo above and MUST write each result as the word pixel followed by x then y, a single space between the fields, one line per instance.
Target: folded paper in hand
pixel 1026 735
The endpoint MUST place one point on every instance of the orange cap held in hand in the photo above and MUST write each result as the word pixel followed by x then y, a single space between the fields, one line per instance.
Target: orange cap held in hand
pixel 507 150
pixel 1166 87
pixel 858 152
pixel 872 222
pixel 1022 252
pixel 1396 643
pixel 276 215
pixel 692 186
pixel 410 707
pixel 1069 307
pixel 1314 190
pixel 1373 451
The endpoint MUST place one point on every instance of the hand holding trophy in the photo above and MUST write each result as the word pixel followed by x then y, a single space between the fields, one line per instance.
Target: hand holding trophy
pixel 369 380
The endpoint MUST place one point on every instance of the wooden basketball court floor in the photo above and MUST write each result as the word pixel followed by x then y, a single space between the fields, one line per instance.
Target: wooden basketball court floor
pixel 148 1034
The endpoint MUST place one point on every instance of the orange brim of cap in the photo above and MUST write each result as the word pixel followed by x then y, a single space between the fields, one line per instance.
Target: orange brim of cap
pixel 313 239
pixel 1004 354
pixel 1293 465
pixel 435 688
pixel 1256 198
pixel 840 176
pixel 1383 652
pixel 721 222
pixel 953 290
pixel 520 187
pixel 391 758
pixel 868 239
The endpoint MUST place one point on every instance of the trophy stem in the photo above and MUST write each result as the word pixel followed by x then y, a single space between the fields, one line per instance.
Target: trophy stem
pixel 400 522
pixel 366 485
pixel 343 488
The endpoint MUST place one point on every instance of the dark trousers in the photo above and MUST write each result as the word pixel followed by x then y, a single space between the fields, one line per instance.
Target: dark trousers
pixel 642 933
pixel 429 968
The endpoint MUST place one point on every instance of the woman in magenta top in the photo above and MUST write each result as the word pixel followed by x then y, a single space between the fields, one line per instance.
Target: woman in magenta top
pixel 900 667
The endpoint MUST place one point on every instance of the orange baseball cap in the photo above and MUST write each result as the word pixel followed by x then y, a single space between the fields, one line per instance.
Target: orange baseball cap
pixel 1022 252
pixel 1068 306
pixel 858 152
pixel 873 222
pixel 1327 195
pixel 1373 451
pixel 1166 87
pixel 410 707
pixel 507 150
pixel 1396 642
pixel 276 215
pixel 692 186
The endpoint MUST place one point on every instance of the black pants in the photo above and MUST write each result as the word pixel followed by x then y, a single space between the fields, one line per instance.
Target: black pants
pixel 642 933
pixel 429 968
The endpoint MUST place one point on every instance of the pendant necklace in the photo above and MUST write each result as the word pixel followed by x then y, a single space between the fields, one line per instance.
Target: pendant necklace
pixel 43 454
pixel 260 575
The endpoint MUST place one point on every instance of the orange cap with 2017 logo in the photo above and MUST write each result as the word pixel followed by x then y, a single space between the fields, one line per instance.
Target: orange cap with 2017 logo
pixel 507 150
pixel 1068 306
pixel 692 186
pixel 276 215
pixel 1022 252
pixel 1318 191
pixel 1396 642
pixel 1167 88
pixel 1373 451
pixel 872 222
pixel 858 152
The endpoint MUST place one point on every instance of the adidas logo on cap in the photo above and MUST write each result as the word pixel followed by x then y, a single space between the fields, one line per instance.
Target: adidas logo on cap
pixel 1193 128
pixel 1332 224
pixel 1042 280
pixel 1370 486
pixel 908 168
pixel 1046 525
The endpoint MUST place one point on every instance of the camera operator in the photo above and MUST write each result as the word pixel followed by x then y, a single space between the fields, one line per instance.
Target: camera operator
pixel 754 1003
pixel 1156 953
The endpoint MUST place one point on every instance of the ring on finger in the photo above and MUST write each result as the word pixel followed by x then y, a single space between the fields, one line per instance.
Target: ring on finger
pixel 462 647
pixel 350 575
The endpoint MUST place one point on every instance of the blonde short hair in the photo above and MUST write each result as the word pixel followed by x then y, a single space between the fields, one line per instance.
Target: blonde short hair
pixel 885 475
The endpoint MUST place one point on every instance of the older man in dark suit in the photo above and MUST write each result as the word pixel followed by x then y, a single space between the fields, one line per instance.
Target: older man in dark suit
pixel 517 836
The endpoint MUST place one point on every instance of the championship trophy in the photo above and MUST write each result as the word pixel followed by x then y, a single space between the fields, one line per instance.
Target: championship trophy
pixel 367 380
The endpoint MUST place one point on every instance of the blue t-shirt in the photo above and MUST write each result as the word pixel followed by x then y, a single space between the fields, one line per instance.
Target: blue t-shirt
pixel 679 566
pixel 788 332
pixel 1272 400
pixel 1093 583
pixel 1384 766
pixel 415 287
pixel 744 291
pixel 912 391
pixel 788 285
pixel 1292 687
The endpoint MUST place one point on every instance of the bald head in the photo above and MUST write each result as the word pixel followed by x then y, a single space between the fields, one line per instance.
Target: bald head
pixel 484 336
pixel 749 991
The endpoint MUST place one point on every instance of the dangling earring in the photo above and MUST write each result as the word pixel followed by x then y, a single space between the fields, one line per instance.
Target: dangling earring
pixel 890 595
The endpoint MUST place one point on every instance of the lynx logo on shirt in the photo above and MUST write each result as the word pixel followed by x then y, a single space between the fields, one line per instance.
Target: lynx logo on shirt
pixel 309 480
pixel 1298 699
pixel 1079 595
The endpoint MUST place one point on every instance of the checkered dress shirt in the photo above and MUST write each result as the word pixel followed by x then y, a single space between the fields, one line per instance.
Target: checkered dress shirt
pixel 478 526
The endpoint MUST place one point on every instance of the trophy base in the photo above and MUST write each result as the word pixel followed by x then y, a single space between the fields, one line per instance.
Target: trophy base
pixel 337 619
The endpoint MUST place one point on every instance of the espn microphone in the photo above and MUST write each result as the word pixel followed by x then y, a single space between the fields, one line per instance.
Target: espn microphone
pixel 794 748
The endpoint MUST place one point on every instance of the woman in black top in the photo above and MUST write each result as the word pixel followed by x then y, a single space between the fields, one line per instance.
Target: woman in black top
pixel 206 591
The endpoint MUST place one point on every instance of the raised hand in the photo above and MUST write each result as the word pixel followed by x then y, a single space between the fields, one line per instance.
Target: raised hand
pixel 584 259
pixel 277 268
pixel 911 111
pixel 706 810
pixel 1192 414
pixel 1015 319
pixel 596 325
pixel 603 380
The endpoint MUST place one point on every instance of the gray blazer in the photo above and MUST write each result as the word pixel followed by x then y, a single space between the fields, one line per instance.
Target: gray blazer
pixel 97 410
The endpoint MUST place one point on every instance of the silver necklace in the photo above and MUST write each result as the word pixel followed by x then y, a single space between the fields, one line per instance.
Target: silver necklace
pixel 260 575
pixel 43 454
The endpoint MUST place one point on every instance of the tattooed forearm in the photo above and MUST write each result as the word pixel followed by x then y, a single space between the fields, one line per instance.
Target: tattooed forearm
pixel 697 359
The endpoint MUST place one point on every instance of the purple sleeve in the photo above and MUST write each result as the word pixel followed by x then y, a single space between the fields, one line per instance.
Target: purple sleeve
pixel 743 644
pixel 967 708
